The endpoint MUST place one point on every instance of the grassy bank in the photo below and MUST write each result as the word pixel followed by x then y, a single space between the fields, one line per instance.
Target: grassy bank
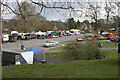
pixel 101 68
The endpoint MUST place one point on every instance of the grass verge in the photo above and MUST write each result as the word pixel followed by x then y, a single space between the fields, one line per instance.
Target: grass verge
pixel 101 68
pixel 68 41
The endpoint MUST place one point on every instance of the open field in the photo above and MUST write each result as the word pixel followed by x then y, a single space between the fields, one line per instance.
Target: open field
pixel 101 68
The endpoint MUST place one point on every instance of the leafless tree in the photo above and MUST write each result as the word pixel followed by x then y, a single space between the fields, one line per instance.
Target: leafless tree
pixel 111 10
pixel 32 8
pixel 93 11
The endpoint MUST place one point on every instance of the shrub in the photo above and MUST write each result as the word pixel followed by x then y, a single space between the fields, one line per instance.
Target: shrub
pixel 82 51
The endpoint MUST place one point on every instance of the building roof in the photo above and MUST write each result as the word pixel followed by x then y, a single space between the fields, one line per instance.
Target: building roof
pixel 15 51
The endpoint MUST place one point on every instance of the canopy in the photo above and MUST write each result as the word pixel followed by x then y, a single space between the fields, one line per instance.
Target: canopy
pixel 48 33
pixel 56 32
pixel 108 41
pixel 3 37
pixel 60 31
pixel 14 32
pixel 38 33
pixel 30 34
pixel 35 50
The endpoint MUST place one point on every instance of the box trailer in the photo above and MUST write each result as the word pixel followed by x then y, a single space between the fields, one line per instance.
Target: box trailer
pixel 14 38
pixel 15 57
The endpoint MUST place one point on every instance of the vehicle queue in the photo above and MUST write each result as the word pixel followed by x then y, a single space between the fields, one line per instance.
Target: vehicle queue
pixel 15 36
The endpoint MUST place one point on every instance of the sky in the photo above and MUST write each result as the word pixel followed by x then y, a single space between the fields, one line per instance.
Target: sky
pixel 52 14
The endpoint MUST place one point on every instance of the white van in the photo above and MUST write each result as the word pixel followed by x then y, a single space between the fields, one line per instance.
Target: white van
pixel 6 38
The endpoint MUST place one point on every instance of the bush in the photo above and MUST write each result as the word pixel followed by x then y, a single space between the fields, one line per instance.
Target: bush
pixel 82 51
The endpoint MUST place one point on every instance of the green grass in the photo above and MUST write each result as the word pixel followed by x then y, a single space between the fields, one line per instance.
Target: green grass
pixel 104 43
pixel 85 39
pixel 68 41
pixel 52 54
pixel 57 48
pixel 109 45
pixel 101 68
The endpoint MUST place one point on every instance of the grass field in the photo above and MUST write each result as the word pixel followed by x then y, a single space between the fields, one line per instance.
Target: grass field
pixel 101 68
pixel 57 48
pixel 109 45
pixel 68 41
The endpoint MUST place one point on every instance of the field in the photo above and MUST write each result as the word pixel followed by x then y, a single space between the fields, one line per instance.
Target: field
pixel 101 68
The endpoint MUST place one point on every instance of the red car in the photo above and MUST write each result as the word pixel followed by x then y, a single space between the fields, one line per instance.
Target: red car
pixel 109 34
pixel 50 37
pixel 112 38
pixel 90 38
pixel 79 39
pixel 95 35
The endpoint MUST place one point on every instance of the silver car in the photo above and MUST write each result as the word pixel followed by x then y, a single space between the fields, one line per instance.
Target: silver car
pixel 50 44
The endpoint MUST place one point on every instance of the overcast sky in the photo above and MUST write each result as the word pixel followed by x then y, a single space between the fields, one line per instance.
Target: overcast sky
pixel 52 14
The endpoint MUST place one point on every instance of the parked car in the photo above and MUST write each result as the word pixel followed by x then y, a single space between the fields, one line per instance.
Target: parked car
pixel 95 35
pixel 110 37
pixel 50 37
pixel 90 36
pixel 79 39
pixel 104 33
pixel 109 34
pixel 55 36
pixel 50 44
pixel 101 38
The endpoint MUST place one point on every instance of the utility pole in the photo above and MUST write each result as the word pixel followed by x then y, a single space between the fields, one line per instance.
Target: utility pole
pixel 118 27
pixel 68 25
pixel 0 43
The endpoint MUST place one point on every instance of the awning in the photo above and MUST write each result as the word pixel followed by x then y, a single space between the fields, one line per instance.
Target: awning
pixel 56 32
pixel 48 33
pixel 3 37
pixel 35 50
pixel 60 31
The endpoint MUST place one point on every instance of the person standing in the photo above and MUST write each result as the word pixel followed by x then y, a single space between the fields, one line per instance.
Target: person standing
pixel 22 46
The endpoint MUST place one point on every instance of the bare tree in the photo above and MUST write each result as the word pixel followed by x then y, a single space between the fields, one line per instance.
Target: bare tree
pixel 25 10
pixel 94 11
pixel 110 9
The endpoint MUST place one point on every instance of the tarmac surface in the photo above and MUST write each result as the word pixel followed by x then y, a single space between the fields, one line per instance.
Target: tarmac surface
pixel 37 43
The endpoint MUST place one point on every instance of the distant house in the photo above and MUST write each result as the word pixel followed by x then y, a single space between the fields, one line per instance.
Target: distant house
pixel 87 28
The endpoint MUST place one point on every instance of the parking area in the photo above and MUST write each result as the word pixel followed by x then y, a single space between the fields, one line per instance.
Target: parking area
pixel 37 43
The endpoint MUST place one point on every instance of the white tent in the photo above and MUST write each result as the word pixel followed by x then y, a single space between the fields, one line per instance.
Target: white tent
pixel 43 33
pixel 39 33
pixel 50 31
pixel 14 32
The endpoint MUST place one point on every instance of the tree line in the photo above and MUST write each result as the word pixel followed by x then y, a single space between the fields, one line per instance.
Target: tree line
pixel 27 14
